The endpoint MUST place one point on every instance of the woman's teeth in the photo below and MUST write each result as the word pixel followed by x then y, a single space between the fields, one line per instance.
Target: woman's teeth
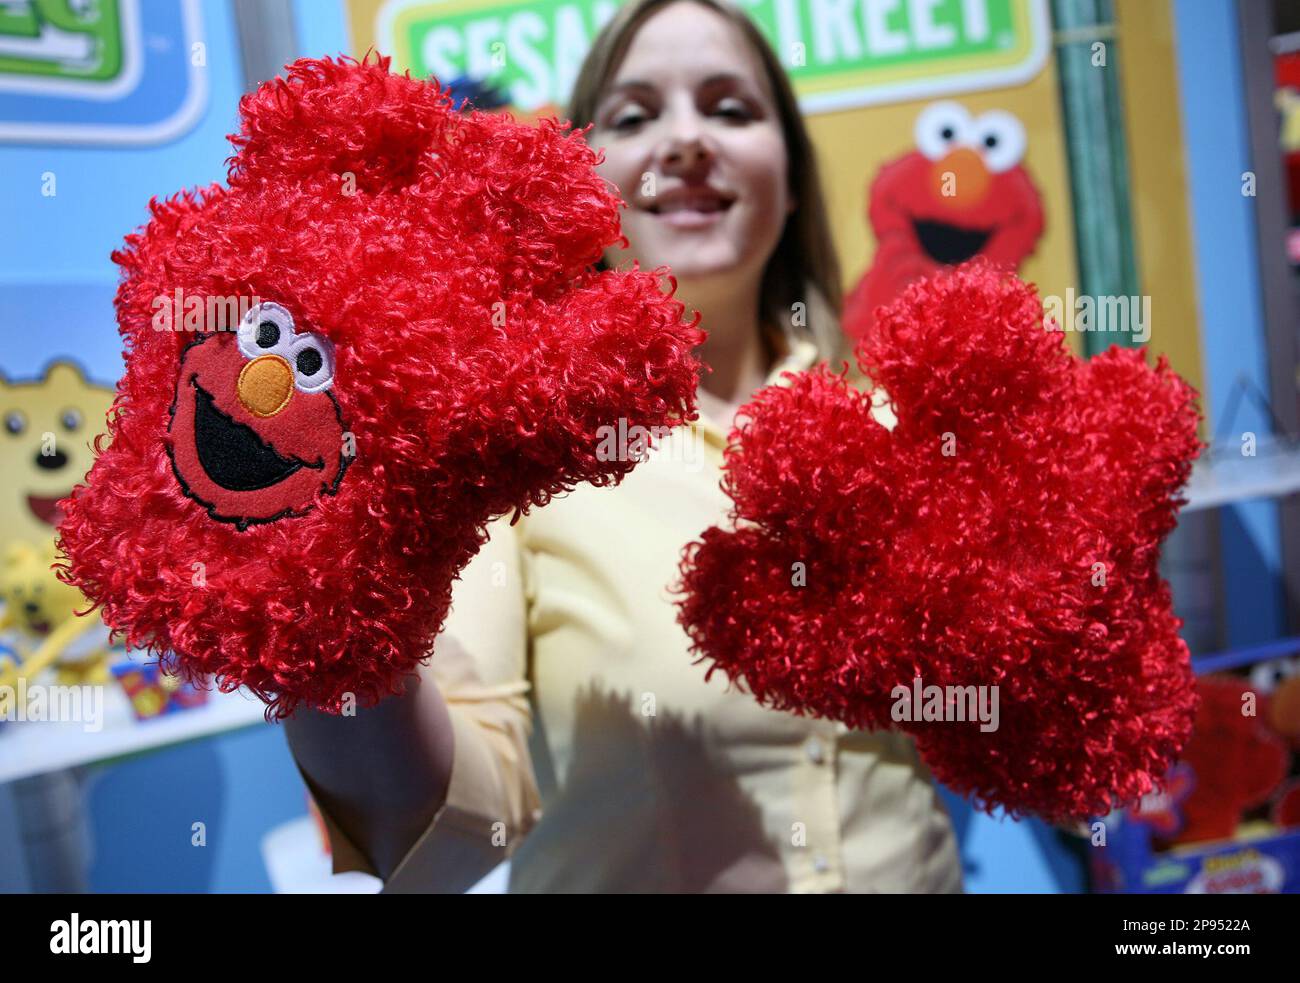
pixel 706 205
pixel 691 210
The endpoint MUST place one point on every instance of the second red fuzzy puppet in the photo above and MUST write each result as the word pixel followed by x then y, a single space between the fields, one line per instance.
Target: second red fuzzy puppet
pixel 998 543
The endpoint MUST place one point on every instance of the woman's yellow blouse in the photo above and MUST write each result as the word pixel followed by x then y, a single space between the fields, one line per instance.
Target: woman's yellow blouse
pixel 592 752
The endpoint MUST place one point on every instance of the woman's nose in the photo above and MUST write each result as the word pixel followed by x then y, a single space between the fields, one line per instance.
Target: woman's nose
pixel 684 155
pixel 685 150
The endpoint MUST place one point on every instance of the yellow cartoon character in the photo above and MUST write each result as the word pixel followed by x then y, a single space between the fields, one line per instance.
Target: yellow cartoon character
pixel 46 430
pixel 42 611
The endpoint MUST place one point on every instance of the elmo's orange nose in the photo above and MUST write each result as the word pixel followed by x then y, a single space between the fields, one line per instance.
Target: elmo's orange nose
pixel 961 178
pixel 265 385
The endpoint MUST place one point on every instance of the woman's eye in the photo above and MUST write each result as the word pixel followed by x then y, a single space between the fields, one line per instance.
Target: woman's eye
pixel 733 109
pixel 627 119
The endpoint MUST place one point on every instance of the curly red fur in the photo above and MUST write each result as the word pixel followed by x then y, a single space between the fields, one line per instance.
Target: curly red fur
pixel 975 567
pixel 478 354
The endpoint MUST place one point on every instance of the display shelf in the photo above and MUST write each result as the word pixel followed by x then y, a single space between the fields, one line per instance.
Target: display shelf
pixel 35 747
pixel 1225 478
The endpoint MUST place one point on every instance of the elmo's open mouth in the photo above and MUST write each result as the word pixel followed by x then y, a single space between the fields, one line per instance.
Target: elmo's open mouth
pixel 46 508
pixel 254 468
pixel 232 454
pixel 949 244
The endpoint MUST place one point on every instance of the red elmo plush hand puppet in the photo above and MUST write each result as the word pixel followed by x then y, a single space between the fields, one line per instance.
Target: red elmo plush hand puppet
pixel 1236 762
pixel 1004 534
pixel 289 493
pixel 962 193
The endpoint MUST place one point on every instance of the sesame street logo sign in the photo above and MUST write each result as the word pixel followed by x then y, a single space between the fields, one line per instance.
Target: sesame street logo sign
pixel 840 53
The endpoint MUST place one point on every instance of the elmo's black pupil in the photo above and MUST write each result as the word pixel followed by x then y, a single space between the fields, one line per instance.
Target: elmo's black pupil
pixel 990 141
pixel 268 334
pixel 309 361
pixel 947 133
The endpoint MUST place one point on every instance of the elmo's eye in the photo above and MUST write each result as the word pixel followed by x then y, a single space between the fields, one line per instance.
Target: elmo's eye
pixel 267 329
pixel 313 363
pixel 941 127
pixel 309 362
pixel 71 420
pixel 1268 676
pixel 1001 139
pixel 15 423
pixel 268 334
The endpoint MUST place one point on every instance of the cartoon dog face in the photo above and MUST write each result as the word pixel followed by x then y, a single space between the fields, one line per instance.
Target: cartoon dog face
pixel 403 335
pixel 46 429
pixel 256 433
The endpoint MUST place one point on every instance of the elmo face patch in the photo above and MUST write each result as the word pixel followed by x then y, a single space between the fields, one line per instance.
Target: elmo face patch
pixel 256 433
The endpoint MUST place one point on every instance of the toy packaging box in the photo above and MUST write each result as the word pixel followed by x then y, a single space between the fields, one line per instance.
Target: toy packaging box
pixel 1228 819
pixel 153 693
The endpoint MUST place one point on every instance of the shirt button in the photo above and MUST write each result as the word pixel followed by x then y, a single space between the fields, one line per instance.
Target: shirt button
pixel 816 752
pixel 820 864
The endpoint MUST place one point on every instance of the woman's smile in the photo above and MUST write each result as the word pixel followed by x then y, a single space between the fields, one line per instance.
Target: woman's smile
pixel 690 206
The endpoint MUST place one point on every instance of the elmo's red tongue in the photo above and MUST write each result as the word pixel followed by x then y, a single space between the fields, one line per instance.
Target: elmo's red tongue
pixel 45 509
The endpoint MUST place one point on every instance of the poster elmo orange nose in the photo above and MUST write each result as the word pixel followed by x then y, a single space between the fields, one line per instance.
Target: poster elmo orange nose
pixel 255 432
